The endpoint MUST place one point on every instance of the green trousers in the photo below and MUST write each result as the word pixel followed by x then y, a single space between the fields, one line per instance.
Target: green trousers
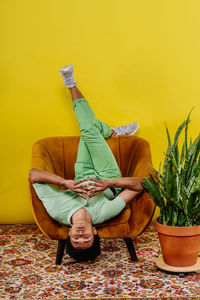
pixel 94 157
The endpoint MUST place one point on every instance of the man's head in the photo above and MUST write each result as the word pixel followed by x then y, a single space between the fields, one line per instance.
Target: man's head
pixel 82 235
pixel 84 254
pixel 83 242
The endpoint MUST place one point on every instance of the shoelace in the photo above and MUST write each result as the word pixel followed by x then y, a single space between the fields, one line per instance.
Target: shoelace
pixel 68 80
pixel 121 130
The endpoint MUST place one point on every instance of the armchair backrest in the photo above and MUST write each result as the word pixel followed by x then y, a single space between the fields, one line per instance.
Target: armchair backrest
pixel 59 155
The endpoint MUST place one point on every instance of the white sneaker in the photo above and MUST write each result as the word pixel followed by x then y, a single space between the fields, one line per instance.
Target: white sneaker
pixel 67 75
pixel 128 129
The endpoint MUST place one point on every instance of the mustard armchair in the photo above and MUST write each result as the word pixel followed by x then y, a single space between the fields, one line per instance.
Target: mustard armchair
pixel 58 155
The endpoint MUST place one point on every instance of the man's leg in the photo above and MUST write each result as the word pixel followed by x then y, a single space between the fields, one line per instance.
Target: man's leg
pixel 84 167
pixel 93 153
pixel 103 127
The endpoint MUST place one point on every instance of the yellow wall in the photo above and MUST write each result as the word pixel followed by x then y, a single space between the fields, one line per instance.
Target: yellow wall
pixel 135 60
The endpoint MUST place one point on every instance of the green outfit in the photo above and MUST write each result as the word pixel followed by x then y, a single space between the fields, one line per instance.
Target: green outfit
pixel 94 159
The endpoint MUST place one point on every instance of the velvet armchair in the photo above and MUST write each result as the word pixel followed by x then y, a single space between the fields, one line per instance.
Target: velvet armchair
pixel 58 155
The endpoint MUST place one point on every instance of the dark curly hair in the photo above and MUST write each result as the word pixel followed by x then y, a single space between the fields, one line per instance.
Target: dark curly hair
pixel 85 254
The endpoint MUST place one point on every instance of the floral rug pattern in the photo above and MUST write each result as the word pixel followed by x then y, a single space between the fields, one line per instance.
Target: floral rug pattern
pixel 28 270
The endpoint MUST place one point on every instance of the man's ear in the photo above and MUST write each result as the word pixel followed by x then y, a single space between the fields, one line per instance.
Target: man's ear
pixel 69 233
pixel 94 230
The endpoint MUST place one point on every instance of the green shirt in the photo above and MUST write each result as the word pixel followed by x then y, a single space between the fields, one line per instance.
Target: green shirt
pixel 62 204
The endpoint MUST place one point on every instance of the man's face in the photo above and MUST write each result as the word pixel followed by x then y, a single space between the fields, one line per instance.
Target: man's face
pixel 82 235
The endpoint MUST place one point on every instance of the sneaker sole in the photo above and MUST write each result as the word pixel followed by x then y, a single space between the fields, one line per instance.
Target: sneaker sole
pixel 67 69
pixel 135 130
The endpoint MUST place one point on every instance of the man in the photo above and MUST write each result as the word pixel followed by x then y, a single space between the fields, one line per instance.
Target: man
pixel 95 195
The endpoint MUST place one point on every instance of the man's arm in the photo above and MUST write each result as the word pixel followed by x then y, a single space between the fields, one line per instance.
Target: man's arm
pixel 128 195
pixel 40 176
pixel 132 183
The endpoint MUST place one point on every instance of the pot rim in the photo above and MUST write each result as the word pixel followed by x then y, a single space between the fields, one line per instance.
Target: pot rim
pixel 177 231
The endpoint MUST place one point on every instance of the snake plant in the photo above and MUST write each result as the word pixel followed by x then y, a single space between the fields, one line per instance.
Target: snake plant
pixel 176 190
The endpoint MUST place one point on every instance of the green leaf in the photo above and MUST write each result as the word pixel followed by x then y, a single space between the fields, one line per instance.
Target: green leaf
pixel 193 153
pixel 186 128
pixel 182 155
pixel 179 130
pixel 185 200
pixel 176 154
pixel 195 210
pixel 196 186
pixel 174 202
pixel 159 175
pixel 168 135
pixel 166 167
pixel 193 203
pixel 153 190
pixel 174 217
pixel 174 164
pixel 181 220
pixel 191 184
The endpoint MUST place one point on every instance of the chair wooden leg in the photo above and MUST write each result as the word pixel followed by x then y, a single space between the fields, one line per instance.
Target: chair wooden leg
pixel 60 251
pixel 131 248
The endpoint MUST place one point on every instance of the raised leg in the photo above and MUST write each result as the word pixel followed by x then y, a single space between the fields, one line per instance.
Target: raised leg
pixel 131 248
pixel 93 153
pixel 103 160
pixel 87 115
pixel 76 94
pixel 60 251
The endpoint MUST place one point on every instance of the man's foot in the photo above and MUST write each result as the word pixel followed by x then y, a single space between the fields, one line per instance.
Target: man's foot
pixel 67 75
pixel 128 129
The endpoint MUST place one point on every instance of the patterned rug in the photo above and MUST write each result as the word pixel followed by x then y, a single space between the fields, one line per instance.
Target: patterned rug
pixel 28 270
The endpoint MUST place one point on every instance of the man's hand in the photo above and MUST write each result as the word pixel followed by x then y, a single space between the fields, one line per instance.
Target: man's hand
pixel 95 187
pixel 77 188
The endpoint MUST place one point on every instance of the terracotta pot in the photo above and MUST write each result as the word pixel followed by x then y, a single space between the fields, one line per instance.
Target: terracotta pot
pixel 180 245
